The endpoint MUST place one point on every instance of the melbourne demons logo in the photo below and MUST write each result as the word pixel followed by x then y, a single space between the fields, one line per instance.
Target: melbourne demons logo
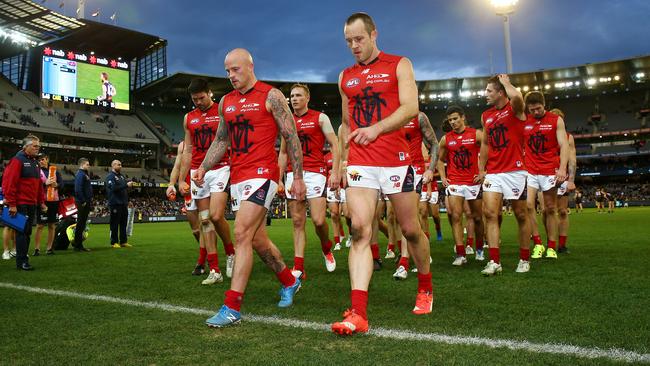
pixel 239 129
pixel 367 106
pixel 537 143
pixel 497 137
pixel 461 159
pixel 304 141
pixel 203 137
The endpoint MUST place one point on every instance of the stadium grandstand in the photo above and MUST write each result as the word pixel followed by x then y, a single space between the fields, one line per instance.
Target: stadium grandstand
pixel 607 105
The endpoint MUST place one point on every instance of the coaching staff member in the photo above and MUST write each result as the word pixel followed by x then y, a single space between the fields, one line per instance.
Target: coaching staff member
pixel 118 200
pixel 83 197
pixel 23 192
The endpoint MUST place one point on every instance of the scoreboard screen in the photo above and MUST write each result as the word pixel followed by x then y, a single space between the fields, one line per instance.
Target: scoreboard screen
pixel 86 79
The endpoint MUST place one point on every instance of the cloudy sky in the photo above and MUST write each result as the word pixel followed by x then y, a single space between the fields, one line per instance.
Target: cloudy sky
pixel 303 40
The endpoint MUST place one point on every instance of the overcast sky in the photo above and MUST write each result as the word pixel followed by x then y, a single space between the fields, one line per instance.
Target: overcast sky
pixel 303 40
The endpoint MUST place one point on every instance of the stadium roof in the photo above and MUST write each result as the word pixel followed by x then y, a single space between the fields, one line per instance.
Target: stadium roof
pixel 34 25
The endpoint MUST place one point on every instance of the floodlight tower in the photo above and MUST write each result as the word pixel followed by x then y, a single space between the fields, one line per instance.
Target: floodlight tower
pixel 505 8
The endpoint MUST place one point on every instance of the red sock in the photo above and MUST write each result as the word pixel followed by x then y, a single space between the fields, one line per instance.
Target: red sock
pixel 326 247
pixel 537 239
pixel 229 249
pixel 285 277
pixel 427 234
pixel 374 247
pixel 494 255
pixel 404 261
pixel 359 299
pixel 424 283
pixel 341 232
pixel 337 239
pixel 233 299
pixel 551 244
pixel 563 241
pixel 437 224
pixel 203 253
pixel 460 250
pixel 299 263
pixel 470 242
pixel 524 253
pixel 213 262
pixel 391 247
pixel 479 244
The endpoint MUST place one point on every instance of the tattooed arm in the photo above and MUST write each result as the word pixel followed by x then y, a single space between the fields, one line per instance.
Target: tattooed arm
pixel 186 158
pixel 282 164
pixel 276 103
pixel 217 148
pixel 429 139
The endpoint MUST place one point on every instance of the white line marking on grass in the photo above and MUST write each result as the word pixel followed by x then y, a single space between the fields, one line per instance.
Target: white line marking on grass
pixel 615 354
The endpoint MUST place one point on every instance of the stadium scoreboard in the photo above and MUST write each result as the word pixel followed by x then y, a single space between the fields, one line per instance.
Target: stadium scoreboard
pixel 74 77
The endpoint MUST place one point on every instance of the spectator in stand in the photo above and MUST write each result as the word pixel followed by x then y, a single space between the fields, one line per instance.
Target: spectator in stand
pixel 23 192
pixel 83 196
pixel 51 201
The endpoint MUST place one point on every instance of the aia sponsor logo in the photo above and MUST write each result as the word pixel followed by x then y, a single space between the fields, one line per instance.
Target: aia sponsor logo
pixel 355 176
pixel 353 82
pixel 231 108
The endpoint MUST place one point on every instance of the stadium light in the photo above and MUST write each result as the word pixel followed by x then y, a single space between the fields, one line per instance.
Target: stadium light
pixel 505 8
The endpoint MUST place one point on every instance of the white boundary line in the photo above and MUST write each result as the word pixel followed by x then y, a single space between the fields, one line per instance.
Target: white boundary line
pixel 615 354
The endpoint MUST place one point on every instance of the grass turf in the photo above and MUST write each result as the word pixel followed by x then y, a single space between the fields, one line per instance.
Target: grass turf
pixel 596 296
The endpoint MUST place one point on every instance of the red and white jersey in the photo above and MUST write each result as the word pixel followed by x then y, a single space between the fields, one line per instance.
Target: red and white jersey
pixel 373 94
pixel 312 140
pixel 505 136
pixel 462 156
pixel 252 131
pixel 202 126
pixel 413 136
pixel 541 148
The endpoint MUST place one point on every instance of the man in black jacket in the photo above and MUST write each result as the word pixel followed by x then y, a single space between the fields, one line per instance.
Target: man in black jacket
pixel 83 197
pixel 118 200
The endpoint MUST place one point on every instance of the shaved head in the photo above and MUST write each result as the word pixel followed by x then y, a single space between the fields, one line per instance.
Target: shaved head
pixel 239 69
pixel 116 165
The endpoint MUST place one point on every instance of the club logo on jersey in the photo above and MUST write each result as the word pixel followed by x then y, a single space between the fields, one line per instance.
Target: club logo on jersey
pixel 304 142
pixel 261 194
pixel 230 108
pixel 355 176
pixel 366 107
pixel 353 82
pixel 239 129
pixel 497 137
pixel 402 156
pixel 194 120
pixel 537 143
pixel 203 137
pixel 461 159
pixel 261 171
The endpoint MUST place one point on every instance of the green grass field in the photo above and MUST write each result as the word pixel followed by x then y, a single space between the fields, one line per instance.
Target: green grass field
pixel 598 296
pixel 89 83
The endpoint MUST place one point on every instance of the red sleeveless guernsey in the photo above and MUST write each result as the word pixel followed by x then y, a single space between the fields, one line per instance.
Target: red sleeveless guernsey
pixel 541 148
pixel 505 137
pixel 329 162
pixel 252 131
pixel 203 129
pixel 373 95
pixel 413 136
pixel 462 156
pixel 312 140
